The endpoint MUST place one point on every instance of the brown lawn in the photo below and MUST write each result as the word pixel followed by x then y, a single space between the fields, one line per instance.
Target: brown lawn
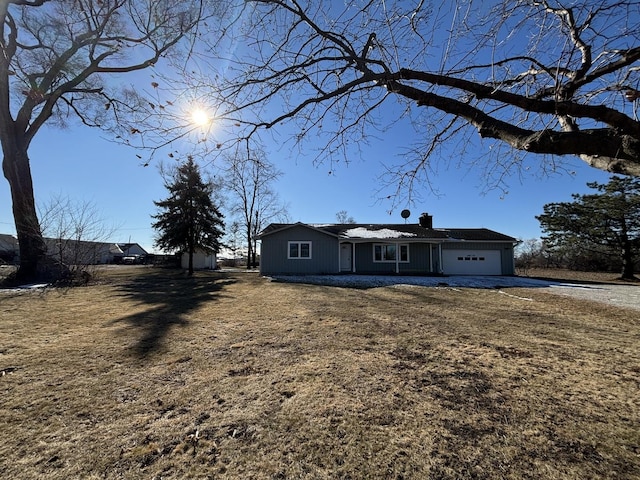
pixel 153 375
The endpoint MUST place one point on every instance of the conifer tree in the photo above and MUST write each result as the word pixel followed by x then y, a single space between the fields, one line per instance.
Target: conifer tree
pixel 607 220
pixel 55 61
pixel 188 219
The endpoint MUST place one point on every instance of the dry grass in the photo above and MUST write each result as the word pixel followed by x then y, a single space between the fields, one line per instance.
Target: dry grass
pixel 575 276
pixel 154 375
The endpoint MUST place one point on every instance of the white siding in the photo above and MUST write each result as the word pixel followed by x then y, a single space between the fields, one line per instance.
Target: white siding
pixel 201 261
pixel 471 262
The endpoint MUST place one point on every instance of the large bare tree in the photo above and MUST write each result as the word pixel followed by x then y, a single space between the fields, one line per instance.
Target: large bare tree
pixel 535 79
pixel 250 179
pixel 54 62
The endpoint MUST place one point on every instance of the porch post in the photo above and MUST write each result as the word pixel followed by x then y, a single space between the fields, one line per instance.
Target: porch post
pixel 353 257
pixel 397 257
pixel 431 258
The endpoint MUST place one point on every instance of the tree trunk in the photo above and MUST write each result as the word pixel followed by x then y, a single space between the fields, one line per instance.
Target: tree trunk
pixel 249 249
pixel 191 240
pixel 17 171
pixel 254 250
pixel 627 262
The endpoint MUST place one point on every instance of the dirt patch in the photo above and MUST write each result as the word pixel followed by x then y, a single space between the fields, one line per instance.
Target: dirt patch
pixel 155 375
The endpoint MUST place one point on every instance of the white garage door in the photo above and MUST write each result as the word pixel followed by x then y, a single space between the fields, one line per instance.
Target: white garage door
pixel 471 262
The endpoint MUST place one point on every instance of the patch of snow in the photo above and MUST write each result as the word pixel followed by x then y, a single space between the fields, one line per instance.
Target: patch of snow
pixel 372 281
pixel 627 296
pixel 25 288
pixel 361 232
pixel 34 285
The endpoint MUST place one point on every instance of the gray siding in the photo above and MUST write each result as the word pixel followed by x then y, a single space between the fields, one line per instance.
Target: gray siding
pixel 419 260
pixel 508 262
pixel 274 252
pixel 325 254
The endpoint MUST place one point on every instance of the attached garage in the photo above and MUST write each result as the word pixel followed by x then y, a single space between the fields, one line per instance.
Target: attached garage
pixel 471 262
pixel 384 249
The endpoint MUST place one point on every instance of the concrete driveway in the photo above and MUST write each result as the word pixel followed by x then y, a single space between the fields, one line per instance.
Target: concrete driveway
pixel 613 294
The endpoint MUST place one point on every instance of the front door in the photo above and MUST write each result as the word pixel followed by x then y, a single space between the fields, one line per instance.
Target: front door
pixel 345 257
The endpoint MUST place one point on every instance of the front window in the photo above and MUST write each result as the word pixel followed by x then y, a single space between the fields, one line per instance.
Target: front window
pixel 388 252
pixel 299 250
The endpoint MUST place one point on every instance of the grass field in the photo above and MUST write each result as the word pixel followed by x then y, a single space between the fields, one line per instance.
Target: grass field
pixel 153 375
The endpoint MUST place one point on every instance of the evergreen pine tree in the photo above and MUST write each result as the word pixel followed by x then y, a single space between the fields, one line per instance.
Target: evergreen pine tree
pixel 608 220
pixel 188 219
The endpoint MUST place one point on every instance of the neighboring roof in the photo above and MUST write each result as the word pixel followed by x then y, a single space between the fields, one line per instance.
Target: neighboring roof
pixel 115 249
pixel 125 247
pixel 52 243
pixel 8 242
pixel 400 231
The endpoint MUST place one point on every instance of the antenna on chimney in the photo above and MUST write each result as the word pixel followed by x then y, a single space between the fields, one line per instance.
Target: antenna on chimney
pixel 405 214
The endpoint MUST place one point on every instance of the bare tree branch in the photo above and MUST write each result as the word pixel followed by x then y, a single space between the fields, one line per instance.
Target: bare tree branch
pixel 537 76
pixel 57 54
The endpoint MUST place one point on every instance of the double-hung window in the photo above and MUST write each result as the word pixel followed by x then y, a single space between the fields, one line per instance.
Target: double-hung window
pixel 388 252
pixel 299 250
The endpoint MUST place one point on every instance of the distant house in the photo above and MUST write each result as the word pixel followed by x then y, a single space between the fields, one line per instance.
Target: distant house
pixel 78 252
pixel 129 253
pixel 414 249
pixel 201 260
pixel 81 252
pixel 8 248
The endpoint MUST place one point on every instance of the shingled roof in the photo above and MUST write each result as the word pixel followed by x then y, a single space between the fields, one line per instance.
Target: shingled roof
pixel 382 231
pixel 8 243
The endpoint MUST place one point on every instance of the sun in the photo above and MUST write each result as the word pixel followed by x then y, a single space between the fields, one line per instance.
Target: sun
pixel 200 117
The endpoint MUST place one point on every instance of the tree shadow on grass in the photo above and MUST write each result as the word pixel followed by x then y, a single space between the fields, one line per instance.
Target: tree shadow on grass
pixel 170 295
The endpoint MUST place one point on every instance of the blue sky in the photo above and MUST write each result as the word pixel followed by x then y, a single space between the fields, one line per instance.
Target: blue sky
pixel 80 164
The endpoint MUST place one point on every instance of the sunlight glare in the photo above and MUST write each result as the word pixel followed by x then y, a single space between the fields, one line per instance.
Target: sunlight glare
pixel 200 117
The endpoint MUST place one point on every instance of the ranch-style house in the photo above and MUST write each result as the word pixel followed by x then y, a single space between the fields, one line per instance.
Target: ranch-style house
pixel 412 249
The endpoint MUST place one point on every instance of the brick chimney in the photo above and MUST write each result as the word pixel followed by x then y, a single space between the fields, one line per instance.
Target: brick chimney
pixel 425 220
